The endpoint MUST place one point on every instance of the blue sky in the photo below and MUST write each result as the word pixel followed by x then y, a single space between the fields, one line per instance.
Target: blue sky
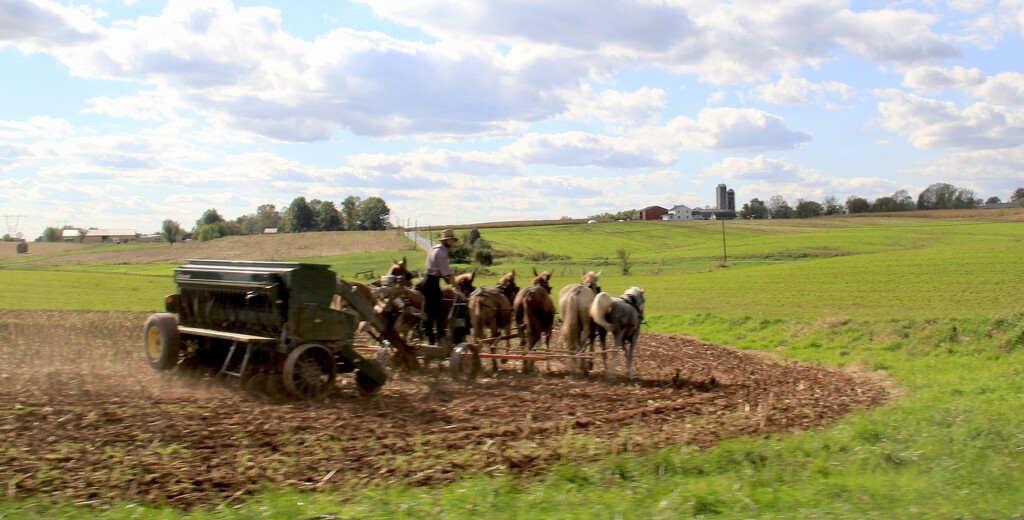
pixel 123 113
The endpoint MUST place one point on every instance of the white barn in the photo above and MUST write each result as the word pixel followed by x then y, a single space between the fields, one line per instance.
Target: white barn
pixel 109 235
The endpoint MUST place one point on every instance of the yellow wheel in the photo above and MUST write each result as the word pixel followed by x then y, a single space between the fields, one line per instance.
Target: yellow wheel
pixel 162 341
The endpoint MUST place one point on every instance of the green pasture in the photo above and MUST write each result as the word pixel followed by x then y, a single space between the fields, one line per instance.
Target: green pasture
pixel 935 304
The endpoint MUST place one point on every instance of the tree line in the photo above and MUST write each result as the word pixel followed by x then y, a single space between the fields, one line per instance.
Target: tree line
pixel 937 196
pixel 301 216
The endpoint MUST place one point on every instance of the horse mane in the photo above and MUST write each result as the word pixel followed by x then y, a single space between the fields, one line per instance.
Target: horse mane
pixel 507 285
pixel 635 297
pixel 589 279
pixel 543 279
pixel 507 279
pixel 464 283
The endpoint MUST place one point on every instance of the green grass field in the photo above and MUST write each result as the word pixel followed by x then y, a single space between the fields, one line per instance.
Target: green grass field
pixel 937 304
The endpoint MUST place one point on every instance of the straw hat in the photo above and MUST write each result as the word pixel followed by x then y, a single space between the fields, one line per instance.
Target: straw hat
pixel 448 234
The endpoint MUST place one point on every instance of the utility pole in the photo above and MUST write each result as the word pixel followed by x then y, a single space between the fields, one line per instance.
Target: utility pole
pixel 725 256
pixel 12 229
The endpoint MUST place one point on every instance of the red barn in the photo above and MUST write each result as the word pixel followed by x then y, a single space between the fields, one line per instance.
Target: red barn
pixel 652 213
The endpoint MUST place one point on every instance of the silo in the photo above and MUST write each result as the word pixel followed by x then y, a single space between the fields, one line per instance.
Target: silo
pixel 731 195
pixel 722 201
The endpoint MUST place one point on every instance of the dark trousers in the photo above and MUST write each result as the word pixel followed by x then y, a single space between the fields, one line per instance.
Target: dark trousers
pixel 433 306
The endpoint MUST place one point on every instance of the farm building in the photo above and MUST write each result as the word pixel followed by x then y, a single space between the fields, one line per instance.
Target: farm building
pixel 71 235
pixel 679 212
pixel 93 236
pixel 652 213
pixel 714 214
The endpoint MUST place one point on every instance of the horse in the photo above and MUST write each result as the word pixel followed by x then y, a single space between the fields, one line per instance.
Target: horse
pixel 621 317
pixel 388 296
pixel 454 305
pixel 535 313
pixel 490 312
pixel 574 302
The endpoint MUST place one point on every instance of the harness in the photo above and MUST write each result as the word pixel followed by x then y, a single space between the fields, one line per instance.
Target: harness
pixel 631 300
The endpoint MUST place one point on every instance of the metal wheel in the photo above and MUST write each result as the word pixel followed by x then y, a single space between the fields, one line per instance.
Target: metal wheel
pixel 367 385
pixel 463 362
pixel 162 341
pixel 309 372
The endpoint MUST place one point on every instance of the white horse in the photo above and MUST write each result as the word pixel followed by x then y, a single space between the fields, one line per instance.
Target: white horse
pixel 621 317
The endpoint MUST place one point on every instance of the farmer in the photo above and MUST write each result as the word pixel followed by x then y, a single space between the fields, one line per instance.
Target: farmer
pixel 437 268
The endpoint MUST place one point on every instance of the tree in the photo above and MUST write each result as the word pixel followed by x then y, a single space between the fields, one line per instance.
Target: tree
pixel 267 216
pixel 831 206
pixel 754 209
pixel 210 216
pixel 171 231
pixel 1017 195
pixel 808 209
pixel 373 214
pixel 52 234
pixel 208 232
pixel 885 205
pixel 328 217
pixel 946 196
pixel 903 200
pixel 993 200
pixel 624 264
pixel 349 212
pixel 779 208
pixel 855 204
pixel 299 218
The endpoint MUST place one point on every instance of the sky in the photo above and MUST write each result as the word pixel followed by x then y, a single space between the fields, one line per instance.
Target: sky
pixel 124 113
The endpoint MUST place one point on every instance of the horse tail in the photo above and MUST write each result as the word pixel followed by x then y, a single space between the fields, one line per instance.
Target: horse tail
pixel 571 319
pixel 599 309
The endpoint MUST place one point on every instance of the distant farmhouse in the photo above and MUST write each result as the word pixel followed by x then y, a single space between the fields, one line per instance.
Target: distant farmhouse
pixel 117 236
pixel 725 208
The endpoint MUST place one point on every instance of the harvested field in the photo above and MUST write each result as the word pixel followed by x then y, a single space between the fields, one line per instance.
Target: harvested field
pixel 285 246
pixel 85 419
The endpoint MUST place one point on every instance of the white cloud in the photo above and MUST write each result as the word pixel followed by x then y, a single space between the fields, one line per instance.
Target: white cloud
pixel 763 177
pixel 745 130
pixel 901 36
pixel 724 42
pixel 641 106
pixel 428 161
pixel 987 172
pixel 585 149
pixel 933 79
pixel 37 25
pixel 36 127
pixel 935 124
pixel 790 90
pixel 143 106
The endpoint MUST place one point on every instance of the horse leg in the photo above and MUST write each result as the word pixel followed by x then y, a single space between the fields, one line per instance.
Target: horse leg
pixel 615 354
pixel 631 342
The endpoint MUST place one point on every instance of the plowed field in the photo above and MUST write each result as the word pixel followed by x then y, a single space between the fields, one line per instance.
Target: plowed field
pixel 83 417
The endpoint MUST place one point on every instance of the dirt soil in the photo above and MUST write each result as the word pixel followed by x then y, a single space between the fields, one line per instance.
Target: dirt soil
pixel 83 418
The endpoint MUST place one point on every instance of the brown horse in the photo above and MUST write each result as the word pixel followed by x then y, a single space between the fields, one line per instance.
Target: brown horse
pixel 388 296
pixel 578 328
pixel 535 313
pixel 490 312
